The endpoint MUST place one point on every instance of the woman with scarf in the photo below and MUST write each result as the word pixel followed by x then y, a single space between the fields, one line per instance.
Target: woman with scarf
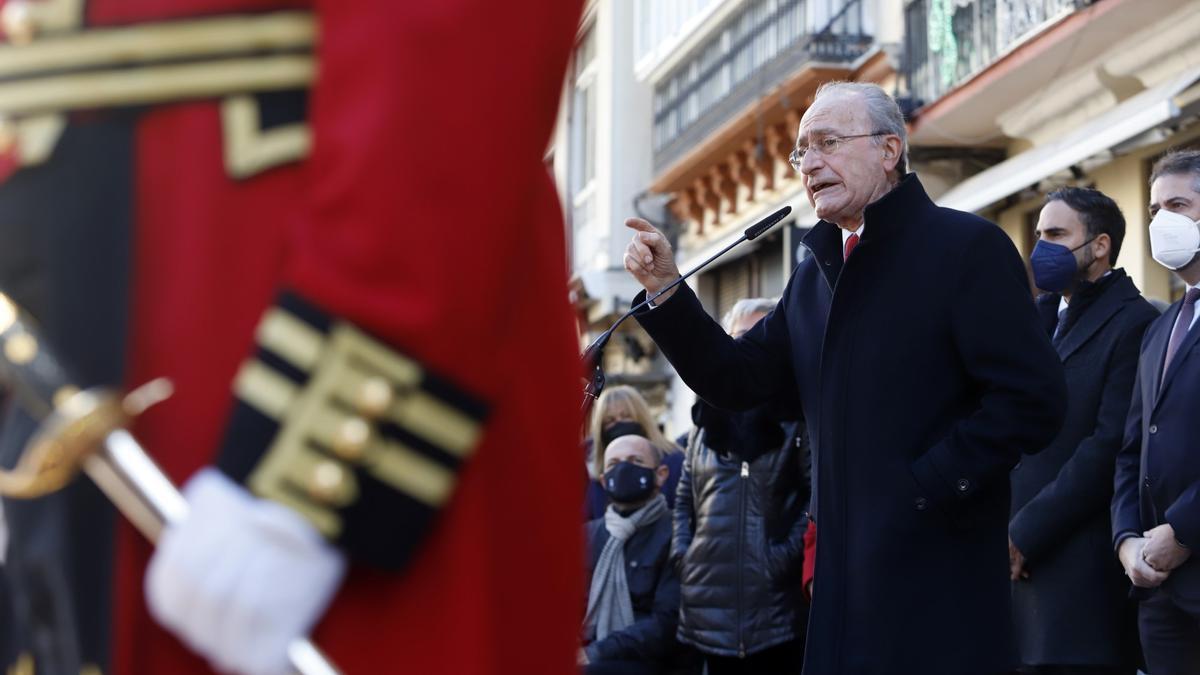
pixel 633 593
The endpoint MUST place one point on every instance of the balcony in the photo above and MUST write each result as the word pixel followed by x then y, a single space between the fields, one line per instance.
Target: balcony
pixel 950 41
pixel 751 52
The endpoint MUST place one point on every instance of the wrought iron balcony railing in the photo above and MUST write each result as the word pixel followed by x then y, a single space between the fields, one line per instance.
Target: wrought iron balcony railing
pixel 753 50
pixel 949 41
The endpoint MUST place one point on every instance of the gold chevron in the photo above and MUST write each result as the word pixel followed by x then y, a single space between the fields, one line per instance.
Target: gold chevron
pixel 155 84
pixel 51 67
pixel 191 39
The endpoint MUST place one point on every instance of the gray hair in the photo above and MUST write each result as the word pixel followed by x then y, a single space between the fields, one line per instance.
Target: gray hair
pixel 1177 163
pixel 745 307
pixel 885 115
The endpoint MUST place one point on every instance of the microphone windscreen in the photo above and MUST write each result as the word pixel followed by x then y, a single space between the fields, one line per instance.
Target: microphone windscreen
pixel 766 223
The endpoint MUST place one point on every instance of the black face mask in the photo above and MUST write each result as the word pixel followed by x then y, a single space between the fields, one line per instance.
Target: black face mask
pixel 628 483
pixel 611 433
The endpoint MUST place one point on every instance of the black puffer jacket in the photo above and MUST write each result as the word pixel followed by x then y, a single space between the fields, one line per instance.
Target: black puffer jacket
pixel 739 535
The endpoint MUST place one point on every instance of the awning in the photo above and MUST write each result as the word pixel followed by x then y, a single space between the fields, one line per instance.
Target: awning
pixel 1130 118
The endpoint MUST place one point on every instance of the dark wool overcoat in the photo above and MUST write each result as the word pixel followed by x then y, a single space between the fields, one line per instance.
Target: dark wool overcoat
pixel 1074 608
pixel 923 375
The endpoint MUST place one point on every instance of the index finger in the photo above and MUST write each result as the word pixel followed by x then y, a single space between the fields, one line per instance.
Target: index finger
pixel 640 225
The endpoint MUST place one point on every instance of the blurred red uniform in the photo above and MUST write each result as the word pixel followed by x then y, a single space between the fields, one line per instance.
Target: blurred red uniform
pixel 423 215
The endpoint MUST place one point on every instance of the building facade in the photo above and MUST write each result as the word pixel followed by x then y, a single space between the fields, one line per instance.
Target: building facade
pixel 684 112
pixel 601 161
pixel 1014 98
pixel 729 89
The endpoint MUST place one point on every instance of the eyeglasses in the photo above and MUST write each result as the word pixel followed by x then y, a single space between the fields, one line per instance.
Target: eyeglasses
pixel 826 146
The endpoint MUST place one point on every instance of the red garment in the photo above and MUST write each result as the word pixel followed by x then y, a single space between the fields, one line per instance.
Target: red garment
pixel 425 215
pixel 810 558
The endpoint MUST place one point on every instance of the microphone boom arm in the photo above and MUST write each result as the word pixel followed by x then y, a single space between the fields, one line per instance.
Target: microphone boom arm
pixel 593 356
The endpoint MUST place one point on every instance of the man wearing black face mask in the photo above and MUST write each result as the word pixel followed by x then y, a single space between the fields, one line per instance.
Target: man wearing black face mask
pixel 633 592
pixel 1070 602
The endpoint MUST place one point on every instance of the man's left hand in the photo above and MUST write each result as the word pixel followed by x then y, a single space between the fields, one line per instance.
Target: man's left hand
pixel 1016 562
pixel 1162 551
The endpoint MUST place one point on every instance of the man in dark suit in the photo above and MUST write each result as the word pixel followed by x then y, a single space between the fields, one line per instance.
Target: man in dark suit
pixel 923 374
pixel 1071 606
pixel 1156 502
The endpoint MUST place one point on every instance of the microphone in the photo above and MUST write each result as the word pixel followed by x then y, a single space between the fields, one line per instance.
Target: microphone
pixel 592 361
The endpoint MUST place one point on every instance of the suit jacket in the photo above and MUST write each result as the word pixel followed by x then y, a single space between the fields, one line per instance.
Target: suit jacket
pixel 1074 608
pixel 1158 472
pixel 923 375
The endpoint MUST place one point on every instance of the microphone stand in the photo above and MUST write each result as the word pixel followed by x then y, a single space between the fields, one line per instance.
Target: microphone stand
pixel 593 356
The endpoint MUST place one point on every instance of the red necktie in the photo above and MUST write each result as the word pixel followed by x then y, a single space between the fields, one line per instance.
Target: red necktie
pixel 851 242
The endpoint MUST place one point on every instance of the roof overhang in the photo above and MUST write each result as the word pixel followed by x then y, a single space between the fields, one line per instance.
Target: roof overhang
pixel 1136 115
pixel 968 114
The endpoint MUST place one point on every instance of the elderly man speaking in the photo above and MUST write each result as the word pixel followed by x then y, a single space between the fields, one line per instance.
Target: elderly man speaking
pixel 911 337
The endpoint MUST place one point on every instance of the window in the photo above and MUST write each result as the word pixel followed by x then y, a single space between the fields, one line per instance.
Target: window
pixel 583 115
pixel 581 158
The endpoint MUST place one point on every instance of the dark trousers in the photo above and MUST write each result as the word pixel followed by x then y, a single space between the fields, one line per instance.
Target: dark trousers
pixel 1170 630
pixel 8 625
pixel 1075 670
pixel 784 659
pixel 622 668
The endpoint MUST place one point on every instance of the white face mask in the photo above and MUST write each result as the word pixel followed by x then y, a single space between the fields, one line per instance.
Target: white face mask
pixel 1174 239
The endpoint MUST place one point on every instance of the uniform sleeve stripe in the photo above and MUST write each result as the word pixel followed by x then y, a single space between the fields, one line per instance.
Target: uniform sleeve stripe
pixel 264 389
pixel 294 340
pixel 442 425
pixel 454 396
pixel 408 471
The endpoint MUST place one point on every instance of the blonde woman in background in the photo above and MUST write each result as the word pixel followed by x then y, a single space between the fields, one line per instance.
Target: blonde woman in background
pixel 622 411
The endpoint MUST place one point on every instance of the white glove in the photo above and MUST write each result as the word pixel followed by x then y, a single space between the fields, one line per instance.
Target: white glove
pixel 241 577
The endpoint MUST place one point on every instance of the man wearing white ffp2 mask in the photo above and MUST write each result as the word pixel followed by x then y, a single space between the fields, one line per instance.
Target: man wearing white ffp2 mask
pixel 1174 238
pixel 1156 496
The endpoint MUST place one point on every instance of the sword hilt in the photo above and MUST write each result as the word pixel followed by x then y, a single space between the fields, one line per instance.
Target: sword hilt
pixel 72 425
pixel 87 430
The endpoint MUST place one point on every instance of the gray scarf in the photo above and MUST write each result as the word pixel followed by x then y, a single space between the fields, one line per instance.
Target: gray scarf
pixel 609 607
